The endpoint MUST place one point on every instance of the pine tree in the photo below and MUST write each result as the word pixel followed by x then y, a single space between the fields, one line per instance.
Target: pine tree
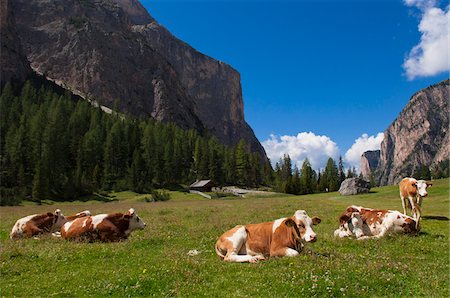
pixel 242 163
pixel 341 172
pixel 307 179
pixel 115 156
pixel 332 175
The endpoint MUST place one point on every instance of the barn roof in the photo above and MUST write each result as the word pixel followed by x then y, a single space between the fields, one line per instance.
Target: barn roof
pixel 200 183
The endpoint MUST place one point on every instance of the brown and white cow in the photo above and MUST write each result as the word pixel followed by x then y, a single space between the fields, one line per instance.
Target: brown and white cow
pixel 279 238
pixel 412 192
pixel 364 223
pixel 36 224
pixel 103 227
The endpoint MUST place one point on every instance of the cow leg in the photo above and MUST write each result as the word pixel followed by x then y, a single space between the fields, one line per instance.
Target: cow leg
pixel 381 234
pixel 284 252
pixel 31 230
pixel 232 243
pixel 413 206
pixel 403 204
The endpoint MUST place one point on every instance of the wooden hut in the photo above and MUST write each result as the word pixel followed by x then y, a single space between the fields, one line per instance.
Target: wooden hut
pixel 202 185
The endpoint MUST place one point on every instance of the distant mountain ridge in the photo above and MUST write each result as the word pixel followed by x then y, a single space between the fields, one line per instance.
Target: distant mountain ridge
pixel 418 137
pixel 114 52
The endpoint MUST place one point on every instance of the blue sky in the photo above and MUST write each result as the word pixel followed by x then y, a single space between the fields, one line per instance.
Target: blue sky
pixel 332 70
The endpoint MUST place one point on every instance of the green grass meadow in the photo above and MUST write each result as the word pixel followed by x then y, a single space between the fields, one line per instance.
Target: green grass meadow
pixel 154 262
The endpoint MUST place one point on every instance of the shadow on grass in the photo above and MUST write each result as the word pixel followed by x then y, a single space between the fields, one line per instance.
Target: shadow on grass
pixel 437 236
pixel 435 217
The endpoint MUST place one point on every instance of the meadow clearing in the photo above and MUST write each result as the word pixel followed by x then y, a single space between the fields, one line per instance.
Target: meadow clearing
pixel 154 262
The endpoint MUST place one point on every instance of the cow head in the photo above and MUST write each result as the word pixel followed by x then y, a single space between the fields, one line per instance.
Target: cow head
pixel 83 213
pixel 304 224
pixel 422 186
pixel 59 220
pixel 135 222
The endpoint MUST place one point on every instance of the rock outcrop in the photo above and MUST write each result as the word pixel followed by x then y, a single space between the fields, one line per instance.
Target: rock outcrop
pixel 14 64
pixel 114 52
pixel 418 137
pixel 354 186
pixel 369 163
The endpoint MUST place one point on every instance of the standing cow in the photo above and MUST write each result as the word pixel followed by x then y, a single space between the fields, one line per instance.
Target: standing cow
pixel 104 227
pixel 412 192
pixel 364 223
pixel 255 242
pixel 37 224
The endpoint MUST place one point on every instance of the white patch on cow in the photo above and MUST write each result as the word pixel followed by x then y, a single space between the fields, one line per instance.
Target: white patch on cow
pixel 97 219
pixel 277 223
pixel 67 225
pixel 301 215
pixel 17 230
pixel 291 252
pixel 85 222
pixel 56 234
pixel 422 188
pixel 238 237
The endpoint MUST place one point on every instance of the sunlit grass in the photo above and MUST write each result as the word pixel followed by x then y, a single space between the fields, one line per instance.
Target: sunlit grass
pixel 155 261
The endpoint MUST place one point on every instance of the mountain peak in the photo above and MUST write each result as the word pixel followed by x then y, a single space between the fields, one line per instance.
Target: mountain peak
pixel 136 12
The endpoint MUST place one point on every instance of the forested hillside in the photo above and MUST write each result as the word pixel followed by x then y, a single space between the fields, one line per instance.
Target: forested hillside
pixel 55 147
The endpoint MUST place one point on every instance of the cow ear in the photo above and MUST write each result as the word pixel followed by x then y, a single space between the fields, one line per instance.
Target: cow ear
pixel 414 184
pixel 290 222
pixel 50 214
pixel 126 216
pixel 429 184
pixel 316 220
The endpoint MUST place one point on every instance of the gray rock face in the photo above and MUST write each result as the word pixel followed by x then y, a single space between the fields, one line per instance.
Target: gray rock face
pixel 113 51
pixel 354 186
pixel 13 61
pixel 419 136
pixel 369 163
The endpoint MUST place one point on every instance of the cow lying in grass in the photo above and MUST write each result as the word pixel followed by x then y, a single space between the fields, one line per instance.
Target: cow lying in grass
pixel 279 238
pixel 103 227
pixel 364 223
pixel 36 224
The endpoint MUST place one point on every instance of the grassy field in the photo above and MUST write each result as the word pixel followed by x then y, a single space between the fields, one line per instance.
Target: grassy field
pixel 154 262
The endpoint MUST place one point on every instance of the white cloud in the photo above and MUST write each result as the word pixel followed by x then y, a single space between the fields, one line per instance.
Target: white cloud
pixel 362 144
pixel 431 55
pixel 422 4
pixel 305 144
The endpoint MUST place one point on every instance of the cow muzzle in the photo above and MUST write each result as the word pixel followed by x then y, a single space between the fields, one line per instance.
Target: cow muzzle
pixel 312 238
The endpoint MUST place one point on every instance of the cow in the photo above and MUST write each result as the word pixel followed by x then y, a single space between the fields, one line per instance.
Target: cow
pixel 364 223
pixel 255 242
pixel 104 227
pixel 36 224
pixel 412 192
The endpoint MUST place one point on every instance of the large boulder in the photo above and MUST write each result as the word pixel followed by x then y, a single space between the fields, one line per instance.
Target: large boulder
pixel 354 186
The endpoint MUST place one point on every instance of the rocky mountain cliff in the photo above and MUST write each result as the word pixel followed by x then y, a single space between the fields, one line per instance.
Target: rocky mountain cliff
pixel 369 163
pixel 114 52
pixel 14 64
pixel 418 137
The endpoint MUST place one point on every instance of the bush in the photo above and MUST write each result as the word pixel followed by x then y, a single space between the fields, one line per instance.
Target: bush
pixel 11 196
pixel 160 195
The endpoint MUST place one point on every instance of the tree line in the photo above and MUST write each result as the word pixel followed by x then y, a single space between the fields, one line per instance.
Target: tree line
pixel 54 147
pixel 290 179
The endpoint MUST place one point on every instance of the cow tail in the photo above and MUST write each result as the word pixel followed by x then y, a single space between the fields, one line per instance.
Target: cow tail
pixel 219 252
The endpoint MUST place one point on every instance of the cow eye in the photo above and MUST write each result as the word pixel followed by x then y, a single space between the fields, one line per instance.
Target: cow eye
pixel 137 218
